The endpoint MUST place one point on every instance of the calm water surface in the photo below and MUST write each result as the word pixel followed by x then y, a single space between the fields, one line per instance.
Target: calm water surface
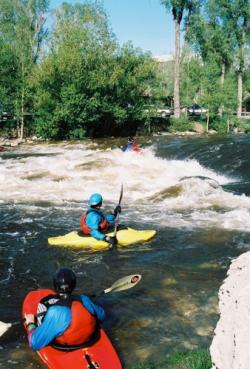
pixel 193 191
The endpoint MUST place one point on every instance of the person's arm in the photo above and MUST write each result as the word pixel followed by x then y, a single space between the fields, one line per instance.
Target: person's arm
pixel 93 308
pixel 93 220
pixel 110 218
pixel 56 321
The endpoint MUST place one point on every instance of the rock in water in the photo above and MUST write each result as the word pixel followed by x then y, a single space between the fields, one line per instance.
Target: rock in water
pixel 231 343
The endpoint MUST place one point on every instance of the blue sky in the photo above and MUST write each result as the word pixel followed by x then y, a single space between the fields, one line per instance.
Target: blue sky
pixel 144 22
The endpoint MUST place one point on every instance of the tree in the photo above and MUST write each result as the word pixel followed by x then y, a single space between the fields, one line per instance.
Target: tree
pixel 237 15
pixel 211 37
pixel 22 28
pixel 178 9
pixel 224 32
pixel 87 85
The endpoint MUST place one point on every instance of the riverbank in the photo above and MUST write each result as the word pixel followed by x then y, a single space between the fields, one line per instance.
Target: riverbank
pixel 198 129
pixel 15 142
pixel 198 359
pixel 230 346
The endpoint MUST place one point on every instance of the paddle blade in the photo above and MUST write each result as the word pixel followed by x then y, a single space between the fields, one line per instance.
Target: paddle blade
pixel 117 216
pixel 121 195
pixel 124 283
pixel 4 327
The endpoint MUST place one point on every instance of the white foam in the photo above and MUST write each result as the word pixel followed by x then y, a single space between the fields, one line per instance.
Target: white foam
pixel 64 174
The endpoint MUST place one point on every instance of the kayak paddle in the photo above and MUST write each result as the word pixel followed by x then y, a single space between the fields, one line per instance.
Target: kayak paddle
pixel 117 216
pixel 120 285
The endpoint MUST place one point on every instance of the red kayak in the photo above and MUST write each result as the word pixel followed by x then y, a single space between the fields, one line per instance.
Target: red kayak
pixel 99 355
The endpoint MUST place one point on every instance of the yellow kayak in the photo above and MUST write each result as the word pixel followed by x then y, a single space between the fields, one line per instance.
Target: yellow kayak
pixel 125 237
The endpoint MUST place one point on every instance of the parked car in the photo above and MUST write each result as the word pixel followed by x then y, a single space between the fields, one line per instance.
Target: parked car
pixel 195 110
pixel 164 112
pixel 158 112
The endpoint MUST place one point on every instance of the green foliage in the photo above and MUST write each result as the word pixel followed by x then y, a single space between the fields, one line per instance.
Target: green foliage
pixel 8 75
pixel 165 82
pixel 220 124
pixel 198 359
pixel 191 81
pixel 181 124
pixel 179 7
pixel 241 124
pixel 89 88
pixel 83 84
pixel 77 134
pixel 21 35
pixel 220 35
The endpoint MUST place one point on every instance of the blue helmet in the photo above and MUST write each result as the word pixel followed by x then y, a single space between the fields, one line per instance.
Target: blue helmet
pixel 95 199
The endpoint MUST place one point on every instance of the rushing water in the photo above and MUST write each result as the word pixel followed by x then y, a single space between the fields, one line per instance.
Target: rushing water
pixel 193 191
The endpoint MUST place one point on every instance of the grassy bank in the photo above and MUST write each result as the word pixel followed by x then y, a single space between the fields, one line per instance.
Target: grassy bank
pixel 198 359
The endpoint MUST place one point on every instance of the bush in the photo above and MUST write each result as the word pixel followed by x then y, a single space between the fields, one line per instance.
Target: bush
pixel 219 124
pixel 77 134
pixel 241 124
pixel 228 123
pixel 45 128
pixel 181 124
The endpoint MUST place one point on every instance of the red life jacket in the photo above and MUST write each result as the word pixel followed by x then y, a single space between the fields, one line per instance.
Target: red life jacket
pixel 86 230
pixel 135 147
pixel 82 325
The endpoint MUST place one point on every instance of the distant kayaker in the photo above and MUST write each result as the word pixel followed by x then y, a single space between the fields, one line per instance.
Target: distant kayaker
pixel 131 146
pixel 95 223
pixel 63 319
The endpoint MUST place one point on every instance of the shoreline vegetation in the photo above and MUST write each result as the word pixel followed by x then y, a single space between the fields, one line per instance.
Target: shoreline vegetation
pixel 159 126
pixel 196 359
pixel 6 142
pixel 70 79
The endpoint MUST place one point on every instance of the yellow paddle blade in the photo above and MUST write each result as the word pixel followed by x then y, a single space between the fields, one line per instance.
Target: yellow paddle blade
pixel 124 283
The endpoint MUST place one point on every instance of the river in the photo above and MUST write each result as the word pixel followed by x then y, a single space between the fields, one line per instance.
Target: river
pixel 194 191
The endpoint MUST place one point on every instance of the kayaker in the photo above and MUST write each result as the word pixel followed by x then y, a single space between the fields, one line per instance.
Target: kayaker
pixel 63 318
pixel 131 146
pixel 95 223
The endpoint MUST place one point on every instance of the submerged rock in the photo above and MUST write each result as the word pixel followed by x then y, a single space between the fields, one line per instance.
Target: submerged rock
pixel 230 345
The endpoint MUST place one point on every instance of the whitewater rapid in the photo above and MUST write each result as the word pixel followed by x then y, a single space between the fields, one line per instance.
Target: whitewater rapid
pixel 173 193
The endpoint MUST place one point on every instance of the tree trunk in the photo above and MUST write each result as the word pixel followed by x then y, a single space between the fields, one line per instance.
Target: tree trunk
pixel 22 115
pixel 222 80
pixel 240 91
pixel 207 128
pixel 177 71
pixel 22 106
pixel 240 76
pixel 228 125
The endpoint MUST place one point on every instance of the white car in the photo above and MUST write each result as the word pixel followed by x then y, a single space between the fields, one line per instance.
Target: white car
pixel 165 112
pixel 158 112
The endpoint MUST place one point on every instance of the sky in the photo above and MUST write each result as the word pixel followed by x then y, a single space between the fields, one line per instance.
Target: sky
pixel 144 22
